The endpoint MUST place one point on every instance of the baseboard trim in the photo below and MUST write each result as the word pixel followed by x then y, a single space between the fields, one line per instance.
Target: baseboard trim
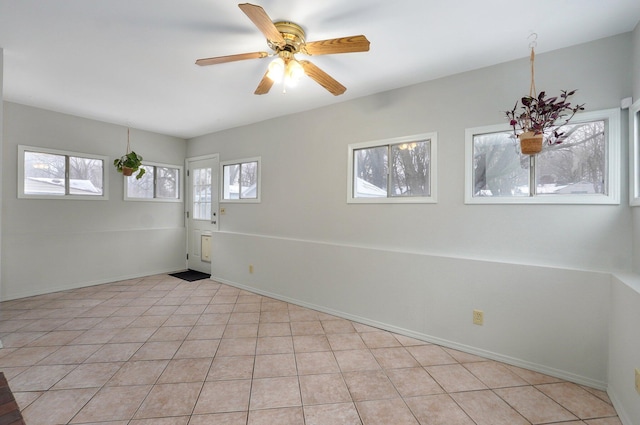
pixel 622 414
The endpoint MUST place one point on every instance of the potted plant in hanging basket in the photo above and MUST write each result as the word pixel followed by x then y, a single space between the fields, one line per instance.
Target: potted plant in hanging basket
pixel 129 164
pixel 538 116
pixel 535 118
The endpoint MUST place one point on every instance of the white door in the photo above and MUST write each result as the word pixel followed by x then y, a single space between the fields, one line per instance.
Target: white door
pixel 202 210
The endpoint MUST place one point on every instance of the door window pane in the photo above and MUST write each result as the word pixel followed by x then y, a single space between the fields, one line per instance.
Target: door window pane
pixel 202 193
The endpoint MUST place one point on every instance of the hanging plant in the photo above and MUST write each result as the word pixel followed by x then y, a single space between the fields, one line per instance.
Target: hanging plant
pixel 537 117
pixel 129 163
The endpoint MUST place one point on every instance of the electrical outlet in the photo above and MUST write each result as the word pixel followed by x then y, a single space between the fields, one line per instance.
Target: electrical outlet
pixel 250 268
pixel 638 380
pixel 223 211
pixel 478 317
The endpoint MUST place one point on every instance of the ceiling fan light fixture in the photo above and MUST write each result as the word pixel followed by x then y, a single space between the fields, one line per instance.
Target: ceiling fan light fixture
pixel 276 70
pixel 294 73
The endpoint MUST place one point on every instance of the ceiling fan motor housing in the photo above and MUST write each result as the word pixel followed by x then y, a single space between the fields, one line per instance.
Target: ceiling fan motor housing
pixel 293 35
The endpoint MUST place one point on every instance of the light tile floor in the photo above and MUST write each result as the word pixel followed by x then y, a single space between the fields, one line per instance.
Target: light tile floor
pixel 163 351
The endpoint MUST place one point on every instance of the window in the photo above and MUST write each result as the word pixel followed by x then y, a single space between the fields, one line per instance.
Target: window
pixel 583 169
pixel 202 194
pixel 241 180
pixel 399 170
pixel 160 182
pixel 634 153
pixel 47 174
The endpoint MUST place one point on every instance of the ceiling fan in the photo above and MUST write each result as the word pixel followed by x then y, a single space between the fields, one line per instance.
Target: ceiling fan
pixel 287 39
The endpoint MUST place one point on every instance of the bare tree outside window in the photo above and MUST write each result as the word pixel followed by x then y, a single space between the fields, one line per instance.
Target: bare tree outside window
pixel 499 169
pixel 46 174
pixel 576 166
pixel 240 180
pixel 144 186
pixel 410 169
pixel 231 181
pixel 371 166
pixel 85 169
pixel 167 183
pixel 397 170
pixel 159 182
pixel 249 179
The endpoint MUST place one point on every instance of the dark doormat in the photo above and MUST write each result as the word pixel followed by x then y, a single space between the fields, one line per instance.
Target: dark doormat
pixel 191 275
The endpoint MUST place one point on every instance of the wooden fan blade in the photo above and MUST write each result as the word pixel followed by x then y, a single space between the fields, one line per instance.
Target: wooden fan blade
pixel 355 43
pixel 322 78
pixel 261 20
pixel 265 85
pixel 231 58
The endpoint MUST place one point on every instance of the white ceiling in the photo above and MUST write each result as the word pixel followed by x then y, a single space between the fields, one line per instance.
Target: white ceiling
pixel 131 62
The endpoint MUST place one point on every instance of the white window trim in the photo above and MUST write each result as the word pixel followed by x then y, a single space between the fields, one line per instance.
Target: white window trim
pixel 154 199
pixel 433 171
pixel 105 174
pixel 255 200
pixel 612 116
pixel 634 152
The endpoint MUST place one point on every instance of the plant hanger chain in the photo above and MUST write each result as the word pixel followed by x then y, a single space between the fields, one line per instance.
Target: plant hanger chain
pixel 532 45
pixel 128 144
pixel 533 188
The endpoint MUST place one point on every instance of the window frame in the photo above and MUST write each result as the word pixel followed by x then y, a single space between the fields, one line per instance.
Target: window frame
pixel 105 175
pixel 634 154
pixel 613 164
pixel 239 162
pixel 433 170
pixel 155 165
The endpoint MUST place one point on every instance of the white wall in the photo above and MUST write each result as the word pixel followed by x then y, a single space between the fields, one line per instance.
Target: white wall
pixel 534 269
pixel 50 245
pixel 635 72
pixel 624 335
pixel 1 150
pixel 529 310
pixel 624 347
pixel 636 62
pixel 305 199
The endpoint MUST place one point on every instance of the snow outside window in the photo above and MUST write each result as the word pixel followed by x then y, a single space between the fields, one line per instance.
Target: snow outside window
pixel 54 174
